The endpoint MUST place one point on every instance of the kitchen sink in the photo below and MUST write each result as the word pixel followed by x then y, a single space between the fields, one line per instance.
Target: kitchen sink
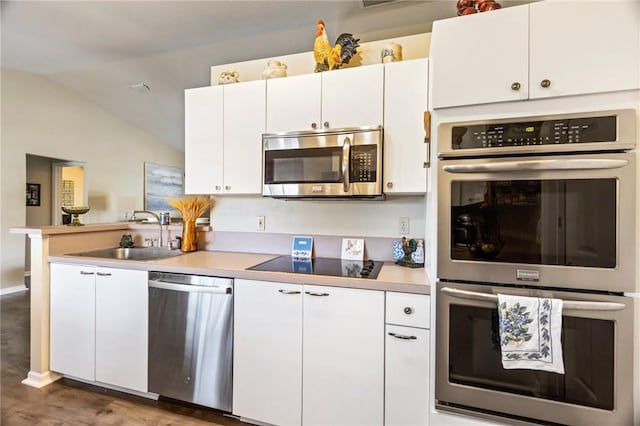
pixel 133 253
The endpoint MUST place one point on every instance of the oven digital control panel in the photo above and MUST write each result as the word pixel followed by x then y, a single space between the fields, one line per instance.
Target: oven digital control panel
pixel 543 132
pixel 363 163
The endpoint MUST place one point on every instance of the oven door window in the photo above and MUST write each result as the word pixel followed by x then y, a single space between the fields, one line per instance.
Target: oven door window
pixel 308 165
pixel 569 222
pixel 475 359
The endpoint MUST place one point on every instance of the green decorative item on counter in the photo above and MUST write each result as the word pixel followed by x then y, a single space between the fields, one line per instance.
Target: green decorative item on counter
pixel 75 211
pixel 413 249
pixel 126 241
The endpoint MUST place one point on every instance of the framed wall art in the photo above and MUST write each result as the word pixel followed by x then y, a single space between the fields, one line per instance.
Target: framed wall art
pixel 33 194
pixel 160 184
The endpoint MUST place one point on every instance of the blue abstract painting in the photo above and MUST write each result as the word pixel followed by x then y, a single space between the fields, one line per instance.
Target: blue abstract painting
pixel 160 184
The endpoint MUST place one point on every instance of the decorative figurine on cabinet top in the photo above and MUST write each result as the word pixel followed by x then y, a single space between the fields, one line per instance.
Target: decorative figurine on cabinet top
pixel 333 57
pixel 274 69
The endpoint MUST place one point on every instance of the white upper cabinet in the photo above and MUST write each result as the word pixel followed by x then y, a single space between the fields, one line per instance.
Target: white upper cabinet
pixel 544 49
pixel 351 97
pixel 405 150
pixel 244 123
pixel 203 139
pixel 478 58
pixel 293 103
pixel 590 47
pixel 223 138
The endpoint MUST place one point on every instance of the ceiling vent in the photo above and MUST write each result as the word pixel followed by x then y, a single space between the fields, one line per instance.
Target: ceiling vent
pixel 370 3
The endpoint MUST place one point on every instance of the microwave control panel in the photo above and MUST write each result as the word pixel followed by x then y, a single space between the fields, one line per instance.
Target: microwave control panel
pixel 363 163
pixel 543 132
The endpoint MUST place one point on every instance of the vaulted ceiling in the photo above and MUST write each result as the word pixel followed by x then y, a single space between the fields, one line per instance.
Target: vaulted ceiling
pixel 102 48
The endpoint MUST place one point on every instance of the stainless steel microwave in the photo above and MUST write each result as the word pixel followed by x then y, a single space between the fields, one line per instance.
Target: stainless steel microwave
pixel 336 163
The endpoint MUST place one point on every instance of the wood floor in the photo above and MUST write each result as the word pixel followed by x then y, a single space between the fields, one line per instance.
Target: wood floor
pixel 68 402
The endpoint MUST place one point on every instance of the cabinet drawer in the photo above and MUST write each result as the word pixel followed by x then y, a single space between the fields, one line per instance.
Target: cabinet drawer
pixel 411 310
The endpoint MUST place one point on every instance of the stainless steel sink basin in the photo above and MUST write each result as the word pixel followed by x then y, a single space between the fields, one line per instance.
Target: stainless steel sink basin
pixel 134 253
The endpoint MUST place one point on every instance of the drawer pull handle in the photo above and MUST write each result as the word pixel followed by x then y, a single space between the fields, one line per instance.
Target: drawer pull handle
pixel 402 336
pixel 288 291
pixel 408 310
pixel 104 274
pixel 313 293
pixel 86 273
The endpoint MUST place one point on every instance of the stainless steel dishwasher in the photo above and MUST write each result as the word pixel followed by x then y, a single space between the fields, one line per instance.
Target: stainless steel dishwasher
pixel 191 338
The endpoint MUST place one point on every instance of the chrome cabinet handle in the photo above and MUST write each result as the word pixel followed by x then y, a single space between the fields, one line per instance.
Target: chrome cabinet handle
pixel 104 274
pixel 545 83
pixel 408 310
pixel 389 184
pixel 218 187
pixel 579 305
pixel 288 291
pixel 326 124
pixel 402 336
pixel 515 86
pixel 86 273
pixel 227 187
pixel 314 125
pixel 313 293
pixel 346 155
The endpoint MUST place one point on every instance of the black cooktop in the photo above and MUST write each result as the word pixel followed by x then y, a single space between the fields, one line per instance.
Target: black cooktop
pixel 321 266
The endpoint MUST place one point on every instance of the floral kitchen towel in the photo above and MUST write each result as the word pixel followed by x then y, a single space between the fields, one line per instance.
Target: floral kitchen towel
pixel 530 330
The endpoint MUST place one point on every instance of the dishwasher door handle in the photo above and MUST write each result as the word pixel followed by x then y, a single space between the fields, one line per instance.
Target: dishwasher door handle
pixel 189 288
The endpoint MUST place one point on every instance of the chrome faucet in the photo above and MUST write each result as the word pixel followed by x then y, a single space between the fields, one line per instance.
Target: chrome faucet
pixel 133 218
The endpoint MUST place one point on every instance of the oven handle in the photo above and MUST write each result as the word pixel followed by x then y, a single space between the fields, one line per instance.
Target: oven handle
pixel 346 155
pixel 566 304
pixel 531 165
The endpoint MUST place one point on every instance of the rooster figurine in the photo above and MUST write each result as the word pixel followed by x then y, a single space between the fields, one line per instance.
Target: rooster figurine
pixel 332 57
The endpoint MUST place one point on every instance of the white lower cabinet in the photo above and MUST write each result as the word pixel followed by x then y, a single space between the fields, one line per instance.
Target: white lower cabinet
pixel 406 376
pixel 98 323
pixel 407 358
pixel 121 328
pixel 267 352
pixel 308 355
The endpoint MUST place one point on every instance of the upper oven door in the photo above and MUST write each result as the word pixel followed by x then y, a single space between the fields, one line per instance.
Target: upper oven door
pixel 597 350
pixel 562 221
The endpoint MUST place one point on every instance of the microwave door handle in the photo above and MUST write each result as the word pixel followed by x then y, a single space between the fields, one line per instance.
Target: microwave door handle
pixel 346 155
pixel 578 305
pixel 531 165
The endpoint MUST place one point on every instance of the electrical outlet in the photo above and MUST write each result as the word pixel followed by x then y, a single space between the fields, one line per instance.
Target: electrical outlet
pixel 260 223
pixel 404 225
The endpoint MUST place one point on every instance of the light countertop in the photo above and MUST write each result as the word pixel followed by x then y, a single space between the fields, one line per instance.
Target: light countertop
pixel 233 265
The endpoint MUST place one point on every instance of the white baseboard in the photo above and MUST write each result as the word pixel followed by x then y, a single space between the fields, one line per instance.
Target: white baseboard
pixel 14 289
pixel 39 380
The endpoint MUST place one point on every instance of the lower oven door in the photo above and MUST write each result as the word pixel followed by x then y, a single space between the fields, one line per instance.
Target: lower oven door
pixel 597 344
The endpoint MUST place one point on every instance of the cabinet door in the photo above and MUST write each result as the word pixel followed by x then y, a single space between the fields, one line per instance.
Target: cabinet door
pixel 477 58
pixel 343 351
pixel 582 48
pixel 203 132
pixel 121 328
pixel 353 97
pixel 267 355
pixel 405 150
pixel 72 347
pixel 293 103
pixel 244 123
pixel 406 376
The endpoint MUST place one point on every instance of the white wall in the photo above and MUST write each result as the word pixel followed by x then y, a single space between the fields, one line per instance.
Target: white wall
pixel 341 218
pixel 42 118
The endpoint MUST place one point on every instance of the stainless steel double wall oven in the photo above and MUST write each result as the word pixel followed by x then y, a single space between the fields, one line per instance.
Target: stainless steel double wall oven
pixel 541 206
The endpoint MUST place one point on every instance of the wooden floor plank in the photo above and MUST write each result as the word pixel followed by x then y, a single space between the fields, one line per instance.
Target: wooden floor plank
pixel 68 402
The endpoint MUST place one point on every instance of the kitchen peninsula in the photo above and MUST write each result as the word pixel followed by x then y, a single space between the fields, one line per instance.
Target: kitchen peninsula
pixel 53 244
